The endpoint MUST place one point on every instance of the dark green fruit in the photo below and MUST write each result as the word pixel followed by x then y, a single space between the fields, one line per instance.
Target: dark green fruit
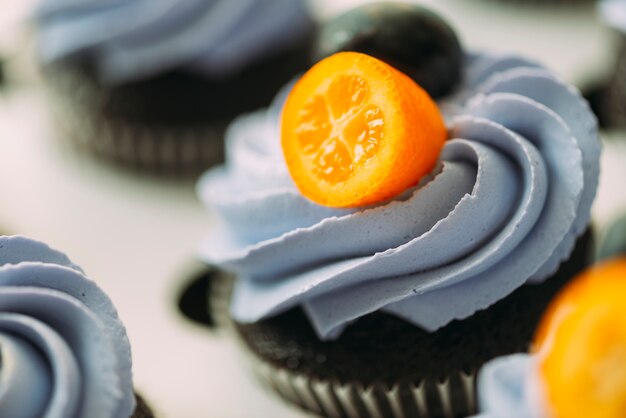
pixel 409 37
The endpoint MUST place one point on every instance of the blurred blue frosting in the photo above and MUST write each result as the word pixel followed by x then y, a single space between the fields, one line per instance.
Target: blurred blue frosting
pixel 509 387
pixel 510 196
pixel 132 39
pixel 63 351
pixel 614 13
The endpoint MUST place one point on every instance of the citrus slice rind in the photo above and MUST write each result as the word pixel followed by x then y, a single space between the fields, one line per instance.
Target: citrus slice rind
pixel 355 132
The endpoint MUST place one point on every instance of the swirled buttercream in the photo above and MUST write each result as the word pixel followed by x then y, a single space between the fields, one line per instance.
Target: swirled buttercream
pixel 510 387
pixel 132 39
pixel 63 351
pixel 512 192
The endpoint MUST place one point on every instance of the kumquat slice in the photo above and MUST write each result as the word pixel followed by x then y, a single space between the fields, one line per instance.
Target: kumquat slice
pixel 355 131
pixel 581 343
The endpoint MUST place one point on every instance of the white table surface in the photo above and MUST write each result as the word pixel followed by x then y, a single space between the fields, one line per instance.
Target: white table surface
pixel 136 235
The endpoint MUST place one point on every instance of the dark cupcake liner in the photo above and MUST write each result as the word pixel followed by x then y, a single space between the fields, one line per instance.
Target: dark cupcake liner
pixel 219 296
pixel 450 398
pixel 204 296
pixel 177 150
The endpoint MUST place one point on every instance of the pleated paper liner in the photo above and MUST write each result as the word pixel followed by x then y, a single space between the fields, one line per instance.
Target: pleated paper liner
pixel 204 296
pixel 453 397
pixel 354 391
pixel 173 150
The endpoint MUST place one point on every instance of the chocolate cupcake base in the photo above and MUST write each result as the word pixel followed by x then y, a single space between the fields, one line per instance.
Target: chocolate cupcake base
pixel 382 366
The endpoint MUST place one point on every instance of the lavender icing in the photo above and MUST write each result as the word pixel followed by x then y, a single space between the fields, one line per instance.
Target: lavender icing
pixel 63 351
pixel 513 190
pixel 509 387
pixel 133 39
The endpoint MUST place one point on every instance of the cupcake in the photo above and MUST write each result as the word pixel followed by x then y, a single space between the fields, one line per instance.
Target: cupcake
pixel 386 246
pixel 153 86
pixel 64 351
pixel 577 367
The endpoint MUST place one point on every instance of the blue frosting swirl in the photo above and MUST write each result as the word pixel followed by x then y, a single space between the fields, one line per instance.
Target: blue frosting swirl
pixel 133 39
pixel 509 387
pixel 510 196
pixel 63 351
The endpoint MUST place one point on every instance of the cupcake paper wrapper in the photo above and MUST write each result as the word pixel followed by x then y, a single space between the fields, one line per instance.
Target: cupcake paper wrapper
pixel 219 296
pixel 453 397
pixel 172 150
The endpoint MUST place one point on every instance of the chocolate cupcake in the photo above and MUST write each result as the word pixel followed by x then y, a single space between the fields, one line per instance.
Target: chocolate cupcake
pixel 68 350
pixel 362 310
pixel 157 88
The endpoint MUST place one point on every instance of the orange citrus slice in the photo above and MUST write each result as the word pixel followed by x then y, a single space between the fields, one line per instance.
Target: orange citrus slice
pixel 356 131
pixel 582 346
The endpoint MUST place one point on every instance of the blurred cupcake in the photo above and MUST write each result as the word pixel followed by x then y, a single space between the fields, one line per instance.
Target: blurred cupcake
pixel 153 86
pixel 578 365
pixel 64 351
pixel 363 290
pixel 611 101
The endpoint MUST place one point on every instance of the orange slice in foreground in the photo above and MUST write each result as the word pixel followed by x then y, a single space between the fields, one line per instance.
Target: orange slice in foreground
pixel 356 131
pixel 582 346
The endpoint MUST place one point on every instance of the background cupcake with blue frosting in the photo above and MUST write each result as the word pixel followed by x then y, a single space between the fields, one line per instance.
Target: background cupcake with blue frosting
pixel 153 85
pixel 389 307
pixel 64 350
